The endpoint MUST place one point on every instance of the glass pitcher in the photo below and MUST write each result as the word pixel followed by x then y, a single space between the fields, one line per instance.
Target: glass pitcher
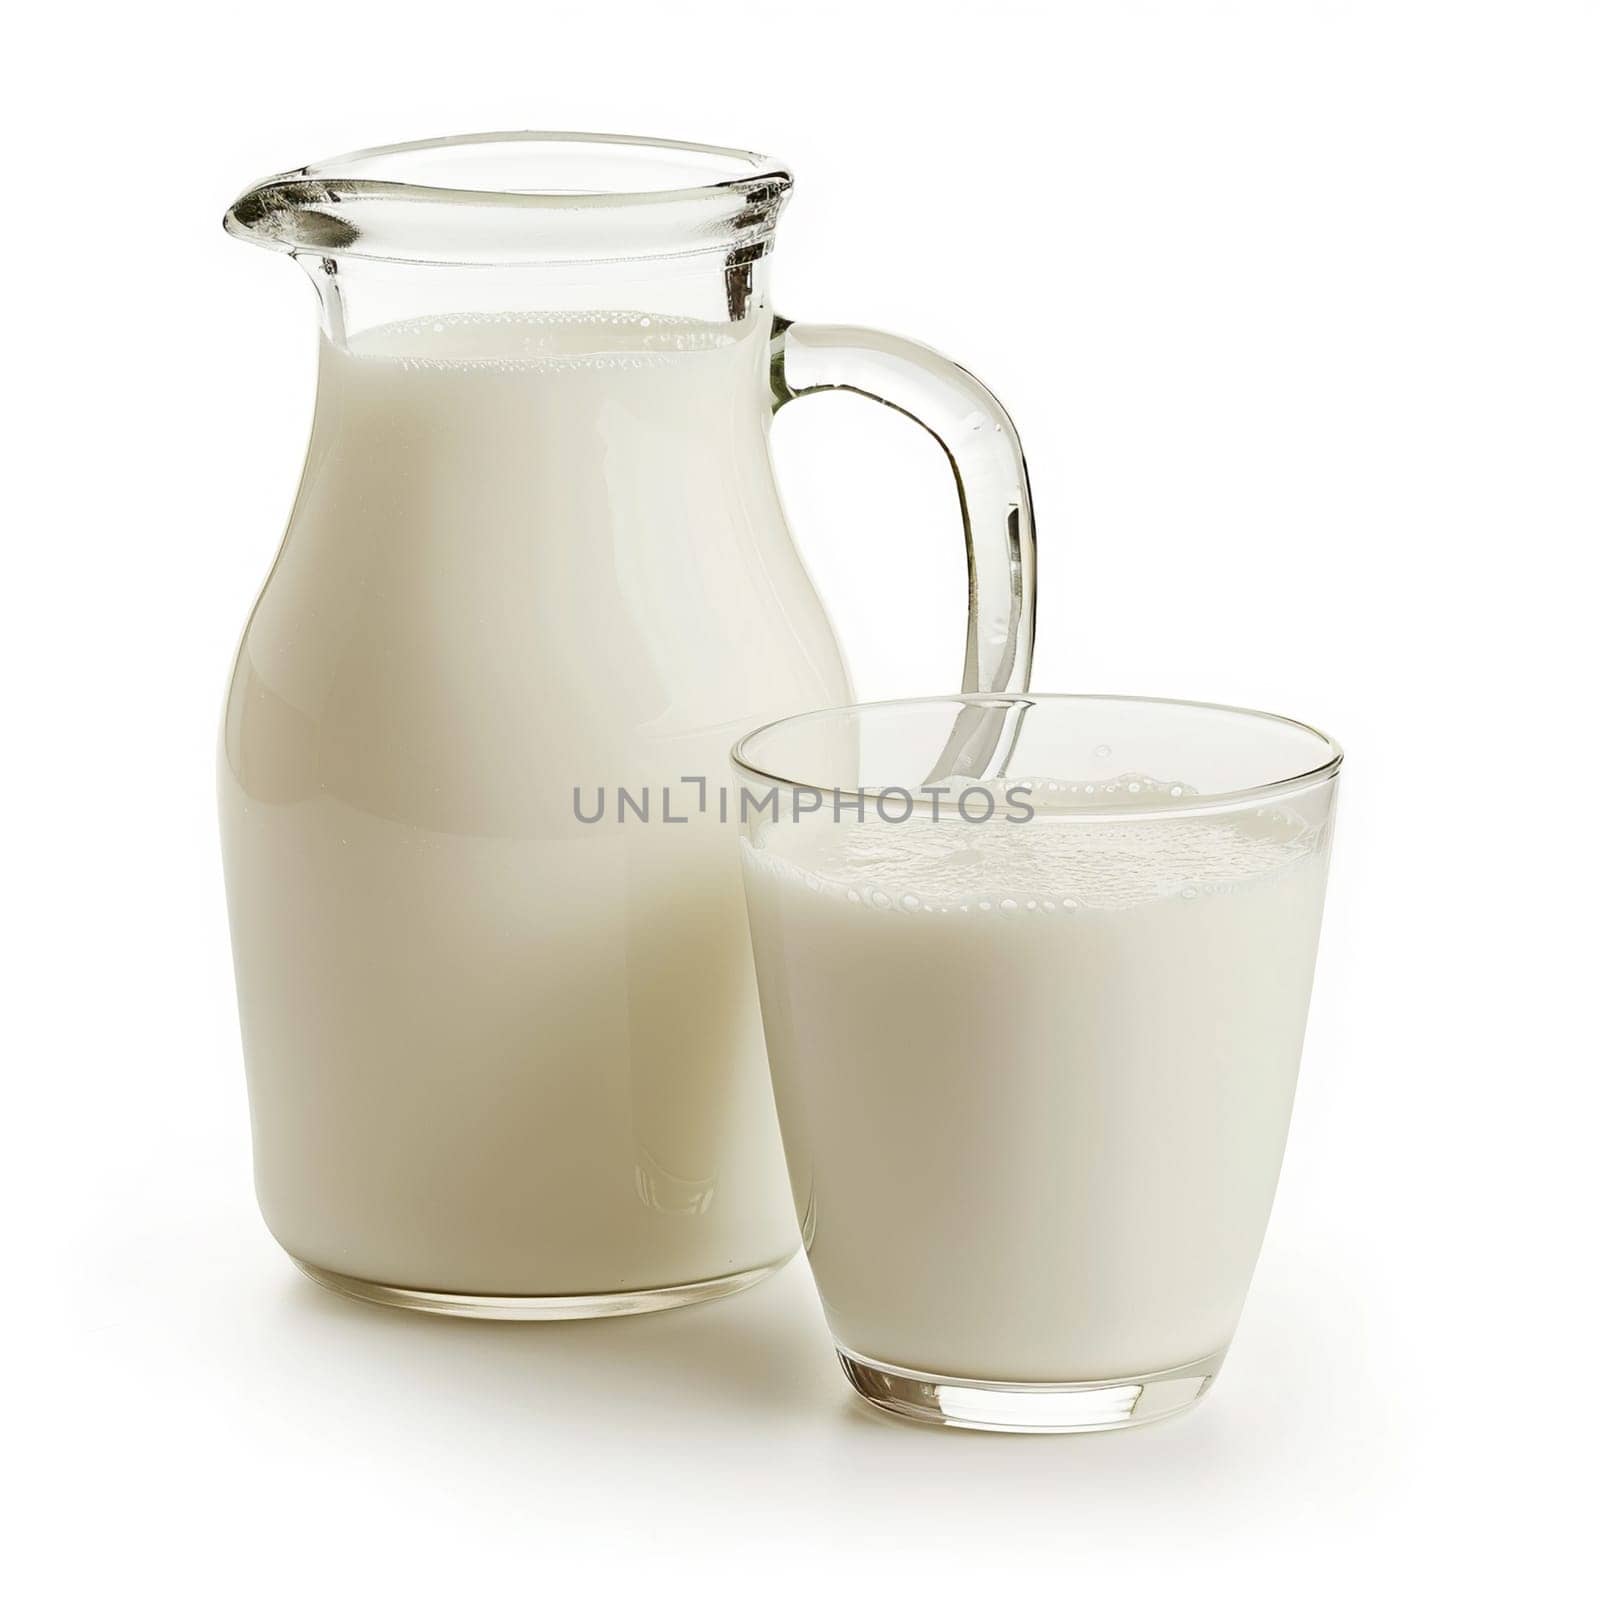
pixel 495 986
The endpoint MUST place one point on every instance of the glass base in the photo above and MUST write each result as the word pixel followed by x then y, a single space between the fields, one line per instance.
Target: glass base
pixel 1029 1407
pixel 538 1308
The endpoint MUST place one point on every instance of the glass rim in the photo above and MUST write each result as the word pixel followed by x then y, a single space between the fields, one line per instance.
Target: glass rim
pixel 1276 787
pixel 328 207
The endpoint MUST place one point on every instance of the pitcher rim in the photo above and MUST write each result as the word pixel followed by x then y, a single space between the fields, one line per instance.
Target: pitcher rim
pixel 425 201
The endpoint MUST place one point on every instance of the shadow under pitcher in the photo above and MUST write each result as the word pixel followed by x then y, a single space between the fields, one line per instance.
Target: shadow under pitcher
pixel 505 1060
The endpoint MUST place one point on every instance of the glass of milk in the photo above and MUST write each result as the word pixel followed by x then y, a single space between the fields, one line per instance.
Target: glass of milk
pixel 1034 974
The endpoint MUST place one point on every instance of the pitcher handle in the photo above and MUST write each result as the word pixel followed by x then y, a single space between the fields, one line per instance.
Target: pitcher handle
pixel 981 445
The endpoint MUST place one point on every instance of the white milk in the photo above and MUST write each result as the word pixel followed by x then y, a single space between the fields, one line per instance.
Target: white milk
pixel 1034 1078
pixel 492 1050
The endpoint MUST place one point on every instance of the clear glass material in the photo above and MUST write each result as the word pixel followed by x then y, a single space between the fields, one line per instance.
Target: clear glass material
pixel 1034 972
pixel 504 1055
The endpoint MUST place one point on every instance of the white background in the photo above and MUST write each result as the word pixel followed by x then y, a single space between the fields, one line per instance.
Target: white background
pixel 1295 308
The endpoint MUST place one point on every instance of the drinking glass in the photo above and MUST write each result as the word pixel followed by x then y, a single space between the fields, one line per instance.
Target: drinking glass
pixel 1034 973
